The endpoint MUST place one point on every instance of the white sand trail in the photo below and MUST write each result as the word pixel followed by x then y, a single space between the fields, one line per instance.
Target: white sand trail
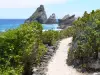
pixel 57 65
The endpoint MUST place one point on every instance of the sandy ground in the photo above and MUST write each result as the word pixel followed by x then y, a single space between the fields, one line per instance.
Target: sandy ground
pixel 57 65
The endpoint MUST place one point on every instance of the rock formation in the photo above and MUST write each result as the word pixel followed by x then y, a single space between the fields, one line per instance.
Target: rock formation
pixel 52 19
pixel 66 16
pixel 66 21
pixel 39 15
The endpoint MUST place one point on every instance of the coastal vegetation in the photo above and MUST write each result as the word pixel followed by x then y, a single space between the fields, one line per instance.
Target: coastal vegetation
pixel 20 48
pixel 85 48
pixel 50 37
pixel 23 47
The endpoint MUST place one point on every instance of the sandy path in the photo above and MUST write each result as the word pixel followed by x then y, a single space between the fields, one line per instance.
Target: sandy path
pixel 58 66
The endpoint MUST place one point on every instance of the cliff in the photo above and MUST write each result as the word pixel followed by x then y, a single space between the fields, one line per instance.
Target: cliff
pixel 39 15
pixel 51 19
pixel 66 21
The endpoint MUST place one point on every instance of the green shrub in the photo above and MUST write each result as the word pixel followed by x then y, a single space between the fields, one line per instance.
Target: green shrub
pixel 50 37
pixel 86 37
pixel 67 32
pixel 19 46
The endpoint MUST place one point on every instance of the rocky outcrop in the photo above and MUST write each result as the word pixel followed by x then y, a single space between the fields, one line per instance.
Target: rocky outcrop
pixel 39 15
pixel 41 69
pixel 52 19
pixel 66 21
pixel 66 16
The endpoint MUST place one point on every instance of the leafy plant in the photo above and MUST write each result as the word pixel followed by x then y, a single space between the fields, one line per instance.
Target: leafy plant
pixel 50 37
pixel 86 38
pixel 19 47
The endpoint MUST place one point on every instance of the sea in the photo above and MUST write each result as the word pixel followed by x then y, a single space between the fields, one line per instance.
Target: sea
pixel 6 24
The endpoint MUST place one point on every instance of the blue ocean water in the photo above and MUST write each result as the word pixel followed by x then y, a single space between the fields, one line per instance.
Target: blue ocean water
pixel 6 24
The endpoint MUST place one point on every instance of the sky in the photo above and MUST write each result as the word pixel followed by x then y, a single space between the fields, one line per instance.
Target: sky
pixel 23 9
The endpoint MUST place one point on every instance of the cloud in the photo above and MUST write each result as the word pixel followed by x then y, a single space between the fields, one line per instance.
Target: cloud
pixel 27 3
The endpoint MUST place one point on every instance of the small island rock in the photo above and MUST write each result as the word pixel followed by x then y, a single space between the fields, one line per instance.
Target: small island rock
pixel 39 15
pixel 52 19
pixel 66 21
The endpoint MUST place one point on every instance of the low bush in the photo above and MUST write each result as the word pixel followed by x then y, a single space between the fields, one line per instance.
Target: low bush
pixel 50 37
pixel 86 39
pixel 20 49
pixel 67 32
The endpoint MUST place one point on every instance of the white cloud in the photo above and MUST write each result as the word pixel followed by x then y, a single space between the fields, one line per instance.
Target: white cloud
pixel 27 3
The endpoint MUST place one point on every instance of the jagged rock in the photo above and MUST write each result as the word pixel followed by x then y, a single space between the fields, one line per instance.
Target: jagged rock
pixel 42 68
pixel 66 16
pixel 66 21
pixel 51 19
pixel 94 64
pixel 98 73
pixel 39 15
